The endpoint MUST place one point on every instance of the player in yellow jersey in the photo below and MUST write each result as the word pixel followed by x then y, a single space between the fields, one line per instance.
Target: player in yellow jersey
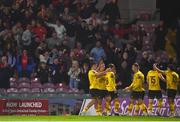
pixel 112 91
pixel 93 75
pixel 137 91
pixel 172 81
pixel 101 84
pixel 154 89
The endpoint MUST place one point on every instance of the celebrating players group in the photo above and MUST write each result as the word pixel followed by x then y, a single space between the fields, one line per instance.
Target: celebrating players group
pixel 103 87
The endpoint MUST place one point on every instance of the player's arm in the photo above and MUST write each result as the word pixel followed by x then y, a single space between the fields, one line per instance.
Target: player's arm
pixel 162 78
pixel 157 69
pixel 99 74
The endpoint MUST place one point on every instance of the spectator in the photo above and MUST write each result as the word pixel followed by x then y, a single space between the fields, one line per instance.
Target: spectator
pixel 55 71
pixel 84 80
pixel 59 28
pixel 74 73
pixel 40 31
pixel 5 73
pixel 42 73
pixel 111 10
pixel 25 64
pixel 53 41
pixel 145 65
pixel 98 52
pixel 160 33
pixel 27 38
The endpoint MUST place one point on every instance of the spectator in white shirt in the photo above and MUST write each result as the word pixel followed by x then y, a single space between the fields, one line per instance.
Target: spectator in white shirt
pixel 59 28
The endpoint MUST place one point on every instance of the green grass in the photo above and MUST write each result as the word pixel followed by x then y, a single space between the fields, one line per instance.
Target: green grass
pixel 85 118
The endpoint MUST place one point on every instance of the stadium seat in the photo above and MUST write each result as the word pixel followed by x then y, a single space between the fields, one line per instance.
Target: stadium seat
pixel 48 90
pixel 13 84
pixel 24 85
pixel 35 90
pixel 48 85
pixel 36 85
pixel 12 90
pixel 24 90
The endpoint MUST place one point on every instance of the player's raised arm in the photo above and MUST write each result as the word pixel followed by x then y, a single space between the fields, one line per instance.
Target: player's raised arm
pixel 157 69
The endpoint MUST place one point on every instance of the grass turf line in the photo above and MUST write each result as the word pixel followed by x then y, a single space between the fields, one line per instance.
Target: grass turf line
pixel 85 118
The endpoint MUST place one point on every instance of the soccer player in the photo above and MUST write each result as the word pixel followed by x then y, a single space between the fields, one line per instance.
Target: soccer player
pixel 172 80
pixel 137 91
pixel 153 80
pixel 112 91
pixel 93 75
pixel 102 91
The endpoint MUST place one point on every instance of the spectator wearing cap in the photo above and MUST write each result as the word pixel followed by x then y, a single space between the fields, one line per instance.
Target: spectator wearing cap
pixel 98 52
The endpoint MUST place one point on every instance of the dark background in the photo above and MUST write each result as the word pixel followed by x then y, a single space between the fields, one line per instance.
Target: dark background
pixel 169 10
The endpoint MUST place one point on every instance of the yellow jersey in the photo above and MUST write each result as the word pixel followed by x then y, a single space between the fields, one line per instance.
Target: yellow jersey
pixel 138 82
pixel 153 80
pixel 101 82
pixel 172 79
pixel 92 79
pixel 111 81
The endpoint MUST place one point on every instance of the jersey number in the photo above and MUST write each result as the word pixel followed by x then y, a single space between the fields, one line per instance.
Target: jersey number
pixel 153 80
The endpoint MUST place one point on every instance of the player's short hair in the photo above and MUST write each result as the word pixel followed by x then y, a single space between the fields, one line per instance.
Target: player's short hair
pixel 136 65
pixel 111 66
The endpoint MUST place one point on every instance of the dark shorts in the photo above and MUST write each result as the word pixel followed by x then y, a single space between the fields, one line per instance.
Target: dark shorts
pixel 102 93
pixel 171 93
pixel 94 93
pixel 113 94
pixel 154 94
pixel 137 95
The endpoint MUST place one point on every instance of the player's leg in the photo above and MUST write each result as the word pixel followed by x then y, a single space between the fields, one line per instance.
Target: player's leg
pixel 142 104
pixel 171 96
pixel 137 107
pixel 150 101
pixel 131 102
pixel 107 109
pixel 159 98
pixel 99 102
pixel 116 104
pixel 130 107
pixel 91 103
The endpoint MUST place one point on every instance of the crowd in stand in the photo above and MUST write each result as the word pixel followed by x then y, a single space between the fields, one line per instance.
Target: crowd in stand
pixel 56 40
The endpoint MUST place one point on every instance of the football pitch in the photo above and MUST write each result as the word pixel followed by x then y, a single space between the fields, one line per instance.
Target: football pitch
pixel 85 118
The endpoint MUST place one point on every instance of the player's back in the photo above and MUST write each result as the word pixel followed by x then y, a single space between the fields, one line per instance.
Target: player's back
pixel 153 80
pixel 172 79
pixel 138 81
